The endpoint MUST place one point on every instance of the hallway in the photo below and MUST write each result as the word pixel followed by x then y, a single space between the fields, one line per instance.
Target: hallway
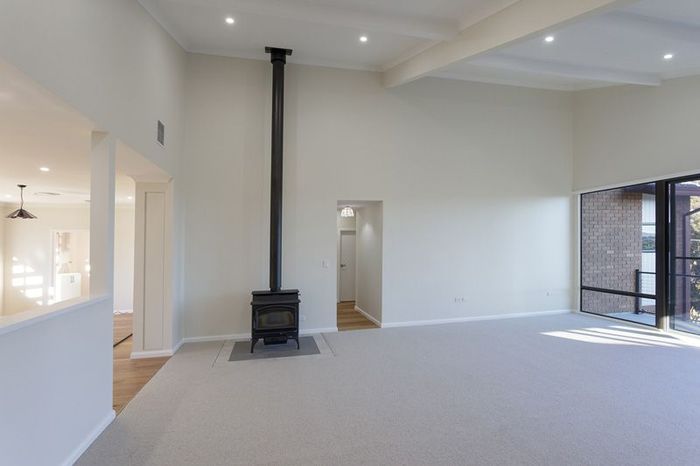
pixel 350 319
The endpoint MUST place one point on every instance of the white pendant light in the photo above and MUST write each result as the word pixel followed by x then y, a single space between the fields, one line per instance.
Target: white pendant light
pixel 347 212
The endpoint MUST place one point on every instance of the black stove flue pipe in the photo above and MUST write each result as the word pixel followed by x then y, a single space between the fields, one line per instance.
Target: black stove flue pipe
pixel 278 58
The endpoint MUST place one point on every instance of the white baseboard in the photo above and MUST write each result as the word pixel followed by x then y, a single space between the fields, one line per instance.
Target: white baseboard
pixel 368 317
pixel 232 336
pixel 416 323
pixel 178 345
pixel 246 336
pixel 316 331
pixel 411 323
pixel 152 354
pixel 92 436
pixel 157 353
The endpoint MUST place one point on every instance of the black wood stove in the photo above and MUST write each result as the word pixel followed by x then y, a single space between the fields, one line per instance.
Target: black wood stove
pixel 275 317
pixel 275 312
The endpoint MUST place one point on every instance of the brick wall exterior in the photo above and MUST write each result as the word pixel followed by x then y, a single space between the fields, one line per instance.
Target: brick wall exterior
pixel 611 248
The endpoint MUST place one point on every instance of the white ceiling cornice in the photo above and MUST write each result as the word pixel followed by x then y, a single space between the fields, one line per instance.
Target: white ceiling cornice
pixel 150 7
pixel 291 61
pixel 313 12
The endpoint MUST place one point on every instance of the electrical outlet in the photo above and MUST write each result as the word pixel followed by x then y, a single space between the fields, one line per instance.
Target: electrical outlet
pixel 302 317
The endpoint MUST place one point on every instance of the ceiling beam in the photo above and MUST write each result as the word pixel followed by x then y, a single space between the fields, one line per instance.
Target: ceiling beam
pixel 313 12
pixel 519 21
pixel 565 70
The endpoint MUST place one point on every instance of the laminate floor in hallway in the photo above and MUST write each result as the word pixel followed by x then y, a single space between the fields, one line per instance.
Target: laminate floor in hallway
pixel 130 375
pixel 350 319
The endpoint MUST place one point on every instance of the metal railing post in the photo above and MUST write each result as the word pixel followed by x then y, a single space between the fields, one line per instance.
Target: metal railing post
pixel 637 289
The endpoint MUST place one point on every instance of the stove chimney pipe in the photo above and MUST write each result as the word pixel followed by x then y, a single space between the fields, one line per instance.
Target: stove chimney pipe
pixel 278 58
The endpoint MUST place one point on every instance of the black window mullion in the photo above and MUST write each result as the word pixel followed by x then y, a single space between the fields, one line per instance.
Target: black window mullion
pixel 662 253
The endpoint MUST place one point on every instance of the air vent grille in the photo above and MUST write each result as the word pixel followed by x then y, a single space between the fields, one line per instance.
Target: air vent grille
pixel 161 133
pixel 46 194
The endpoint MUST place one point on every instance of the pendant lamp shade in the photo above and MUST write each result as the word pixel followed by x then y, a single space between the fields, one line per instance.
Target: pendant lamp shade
pixel 21 213
pixel 347 212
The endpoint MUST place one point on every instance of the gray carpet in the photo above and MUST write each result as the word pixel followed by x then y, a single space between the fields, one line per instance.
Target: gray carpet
pixel 562 390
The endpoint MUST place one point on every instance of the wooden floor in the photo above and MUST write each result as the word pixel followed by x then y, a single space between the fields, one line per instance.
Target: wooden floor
pixel 130 375
pixel 350 319
pixel 123 325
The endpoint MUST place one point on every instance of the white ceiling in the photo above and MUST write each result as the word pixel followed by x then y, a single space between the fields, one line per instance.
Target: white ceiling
pixel 39 130
pixel 321 32
pixel 624 46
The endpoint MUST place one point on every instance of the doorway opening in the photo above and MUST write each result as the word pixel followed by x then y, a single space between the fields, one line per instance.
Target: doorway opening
pixel 71 264
pixel 359 259
pixel 142 228
pixel 124 234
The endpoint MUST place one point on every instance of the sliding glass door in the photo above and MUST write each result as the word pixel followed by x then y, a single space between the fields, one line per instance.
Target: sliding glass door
pixel 618 253
pixel 684 253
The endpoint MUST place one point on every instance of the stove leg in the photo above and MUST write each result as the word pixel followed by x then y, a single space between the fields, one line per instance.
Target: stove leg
pixel 253 341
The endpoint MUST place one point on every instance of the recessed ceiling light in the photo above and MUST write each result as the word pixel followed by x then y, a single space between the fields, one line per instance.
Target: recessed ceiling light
pixel 549 39
pixel 8 196
pixel 230 20
pixel 668 56
pixel 364 39
pixel 129 198
pixel 45 169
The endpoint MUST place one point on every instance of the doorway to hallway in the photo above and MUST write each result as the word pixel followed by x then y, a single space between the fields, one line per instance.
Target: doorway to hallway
pixel 351 319
pixel 359 264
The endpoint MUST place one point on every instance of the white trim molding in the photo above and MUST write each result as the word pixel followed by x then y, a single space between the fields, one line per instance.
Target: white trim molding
pixel 412 323
pixel 92 436
pixel 157 353
pixel 152 354
pixel 316 331
pixel 456 320
pixel 368 316
pixel 203 339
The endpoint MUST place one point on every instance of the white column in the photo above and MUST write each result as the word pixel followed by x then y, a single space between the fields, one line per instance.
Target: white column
pixel 102 174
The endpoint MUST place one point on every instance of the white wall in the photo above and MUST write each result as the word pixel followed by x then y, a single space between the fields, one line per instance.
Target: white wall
pixel 475 180
pixel 115 65
pixel 369 259
pixel 56 385
pixel 30 241
pixel 630 133
pixel 109 59
pixel 112 62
